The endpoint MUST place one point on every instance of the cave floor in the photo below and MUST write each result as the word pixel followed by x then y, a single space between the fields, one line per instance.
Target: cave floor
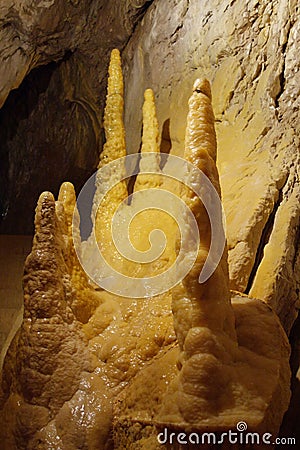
pixel 13 252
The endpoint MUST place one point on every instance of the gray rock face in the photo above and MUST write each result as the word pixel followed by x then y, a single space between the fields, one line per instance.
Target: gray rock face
pixel 35 33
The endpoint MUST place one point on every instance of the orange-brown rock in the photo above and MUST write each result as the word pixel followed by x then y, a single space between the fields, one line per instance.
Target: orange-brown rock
pixel 91 369
pixel 226 342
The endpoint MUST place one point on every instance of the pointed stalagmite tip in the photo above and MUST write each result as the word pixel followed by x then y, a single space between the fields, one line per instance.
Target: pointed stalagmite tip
pixel 115 54
pixel 200 131
pixel 46 198
pixel 114 146
pixel 115 79
pixel 45 211
pixel 202 86
pixel 149 95
pixel 150 144
pixel 150 136
pixel 67 193
pixel 67 197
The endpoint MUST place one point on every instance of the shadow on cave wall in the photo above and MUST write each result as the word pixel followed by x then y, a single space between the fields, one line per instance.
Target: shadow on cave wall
pixel 290 424
pixel 50 132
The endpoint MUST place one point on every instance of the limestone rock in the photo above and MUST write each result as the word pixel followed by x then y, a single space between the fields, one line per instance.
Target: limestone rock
pixel 77 347
pixel 34 33
pixel 49 353
pixel 141 412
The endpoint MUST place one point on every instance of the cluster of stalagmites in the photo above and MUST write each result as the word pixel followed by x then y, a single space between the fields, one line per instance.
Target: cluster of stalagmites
pixel 92 370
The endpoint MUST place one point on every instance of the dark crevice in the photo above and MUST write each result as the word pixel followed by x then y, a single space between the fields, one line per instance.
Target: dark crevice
pixel 290 423
pixel 207 17
pixel 265 236
pixel 281 75
pixel 131 180
pixel 173 36
pixel 138 17
pixel 141 12
pixel 282 84
pixel 178 28
pixel 297 245
pixel 166 143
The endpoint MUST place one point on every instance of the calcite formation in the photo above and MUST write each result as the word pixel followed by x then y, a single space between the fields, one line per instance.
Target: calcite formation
pixel 90 369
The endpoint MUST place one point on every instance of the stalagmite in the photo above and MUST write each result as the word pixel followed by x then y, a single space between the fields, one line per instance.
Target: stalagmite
pixel 49 353
pixel 202 311
pixel 86 301
pixel 113 149
pixel 95 370
pixel 114 146
pixel 200 150
pixel 233 361
pixel 147 187
pixel 150 144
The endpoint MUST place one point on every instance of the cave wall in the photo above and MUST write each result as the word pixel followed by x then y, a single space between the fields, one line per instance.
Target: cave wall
pixel 50 133
pixel 249 52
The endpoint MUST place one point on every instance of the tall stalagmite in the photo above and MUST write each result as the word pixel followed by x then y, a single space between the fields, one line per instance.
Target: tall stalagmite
pixel 228 347
pixel 114 148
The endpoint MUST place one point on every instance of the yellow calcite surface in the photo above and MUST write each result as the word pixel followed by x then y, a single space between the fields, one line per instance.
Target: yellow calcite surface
pixel 95 370
pixel 217 361
pixel 86 301
pixel 146 221
pixel 230 384
pixel 113 149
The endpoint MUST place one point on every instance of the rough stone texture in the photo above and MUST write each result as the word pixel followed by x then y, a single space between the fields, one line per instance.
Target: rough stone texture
pixel 248 50
pixel 34 33
pixel 224 345
pixel 51 128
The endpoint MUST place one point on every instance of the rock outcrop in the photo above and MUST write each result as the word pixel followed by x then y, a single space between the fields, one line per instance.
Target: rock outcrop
pixel 52 123
pixel 51 130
